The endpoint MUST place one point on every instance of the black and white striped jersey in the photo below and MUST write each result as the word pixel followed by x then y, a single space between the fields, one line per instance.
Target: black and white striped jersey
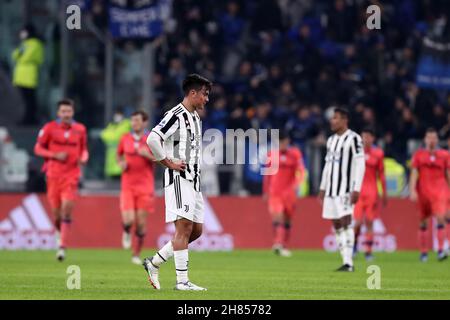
pixel 344 164
pixel 181 132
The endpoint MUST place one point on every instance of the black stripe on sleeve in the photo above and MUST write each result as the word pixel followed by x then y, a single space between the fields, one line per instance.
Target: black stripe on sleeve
pixel 169 124
pixel 158 134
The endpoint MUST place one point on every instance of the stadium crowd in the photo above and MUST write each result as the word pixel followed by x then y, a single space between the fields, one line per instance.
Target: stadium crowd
pixel 283 64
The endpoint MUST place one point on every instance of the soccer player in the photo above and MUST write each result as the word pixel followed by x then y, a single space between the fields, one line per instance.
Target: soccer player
pixel 341 183
pixel 136 197
pixel 63 145
pixel 176 143
pixel 429 182
pixel 366 208
pixel 280 190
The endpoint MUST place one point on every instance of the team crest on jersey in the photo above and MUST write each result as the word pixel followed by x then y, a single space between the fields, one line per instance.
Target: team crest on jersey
pixel 432 158
pixel 66 134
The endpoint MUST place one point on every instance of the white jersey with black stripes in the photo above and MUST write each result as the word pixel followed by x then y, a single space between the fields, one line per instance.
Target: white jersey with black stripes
pixel 181 133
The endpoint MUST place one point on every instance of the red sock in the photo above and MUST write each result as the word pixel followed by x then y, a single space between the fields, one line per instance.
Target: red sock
pixel 423 243
pixel 441 236
pixel 65 229
pixel 279 234
pixel 369 241
pixel 138 243
pixel 287 233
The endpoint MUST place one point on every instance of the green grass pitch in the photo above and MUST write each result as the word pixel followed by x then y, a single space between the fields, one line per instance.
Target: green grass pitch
pixel 241 274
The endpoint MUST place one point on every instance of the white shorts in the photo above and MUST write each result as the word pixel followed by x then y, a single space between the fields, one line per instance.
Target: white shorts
pixel 337 207
pixel 182 201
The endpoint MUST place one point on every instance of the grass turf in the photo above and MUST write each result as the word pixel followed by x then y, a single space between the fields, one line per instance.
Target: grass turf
pixel 241 274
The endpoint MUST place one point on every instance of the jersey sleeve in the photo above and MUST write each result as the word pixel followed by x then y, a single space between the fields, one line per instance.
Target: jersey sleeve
pixel 42 143
pixel 44 136
pixel 359 163
pixel 168 126
pixel 415 161
pixel 326 168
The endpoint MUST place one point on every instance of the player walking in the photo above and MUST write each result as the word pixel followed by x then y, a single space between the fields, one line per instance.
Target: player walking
pixel 429 182
pixel 341 182
pixel 63 145
pixel 280 190
pixel 366 208
pixel 136 197
pixel 176 143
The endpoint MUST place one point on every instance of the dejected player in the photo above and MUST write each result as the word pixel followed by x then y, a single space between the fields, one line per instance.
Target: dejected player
pixel 136 197
pixel 366 209
pixel 280 190
pixel 341 182
pixel 429 183
pixel 63 145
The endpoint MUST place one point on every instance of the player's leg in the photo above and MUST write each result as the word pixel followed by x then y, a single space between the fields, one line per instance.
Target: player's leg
pixel 68 196
pixel 276 212
pixel 197 231
pixel 425 212
pixel 438 207
pixel 54 199
pixel 348 242
pixel 358 218
pixel 127 207
pixel 368 243
pixel 369 219
pixel 139 235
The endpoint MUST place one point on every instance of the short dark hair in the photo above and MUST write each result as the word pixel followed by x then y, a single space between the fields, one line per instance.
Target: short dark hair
pixel 343 112
pixel 66 102
pixel 283 134
pixel 195 82
pixel 431 130
pixel 369 130
pixel 141 113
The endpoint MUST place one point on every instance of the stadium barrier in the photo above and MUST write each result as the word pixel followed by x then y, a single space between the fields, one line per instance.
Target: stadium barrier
pixel 230 222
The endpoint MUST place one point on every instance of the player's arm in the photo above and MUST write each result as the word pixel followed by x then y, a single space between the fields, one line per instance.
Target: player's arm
pixel 84 152
pixel 267 178
pixel 359 167
pixel 300 170
pixel 147 154
pixel 413 178
pixel 325 173
pixel 41 146
pixel 121 155
pixel 166 128
pixel 382 177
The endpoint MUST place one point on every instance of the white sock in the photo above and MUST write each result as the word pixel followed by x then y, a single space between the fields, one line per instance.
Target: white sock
pixel 181 258
pixel 164 254
pixel 340 240
pixel 348 245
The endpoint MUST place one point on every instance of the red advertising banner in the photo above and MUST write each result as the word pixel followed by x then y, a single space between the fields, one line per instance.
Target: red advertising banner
pixel 230 222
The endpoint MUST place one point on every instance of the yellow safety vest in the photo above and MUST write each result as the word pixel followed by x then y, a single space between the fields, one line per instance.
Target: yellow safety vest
pixel 111 137
pixel 28 58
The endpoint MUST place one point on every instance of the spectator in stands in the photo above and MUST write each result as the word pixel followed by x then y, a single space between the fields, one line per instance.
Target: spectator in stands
pixel 28 58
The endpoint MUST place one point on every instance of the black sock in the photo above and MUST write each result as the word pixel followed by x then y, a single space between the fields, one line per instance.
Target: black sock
pixel 126 227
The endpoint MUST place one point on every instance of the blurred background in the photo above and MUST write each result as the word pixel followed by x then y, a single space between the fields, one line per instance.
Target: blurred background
pixel 280 64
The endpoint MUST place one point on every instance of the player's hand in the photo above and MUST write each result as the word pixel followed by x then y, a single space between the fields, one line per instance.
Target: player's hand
pixel 265 197
pixel 354 197
pixel 321 196
pixel 60 156
pixel 413 196
pixel 123 165
pixel 177 165
pixel 144 153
